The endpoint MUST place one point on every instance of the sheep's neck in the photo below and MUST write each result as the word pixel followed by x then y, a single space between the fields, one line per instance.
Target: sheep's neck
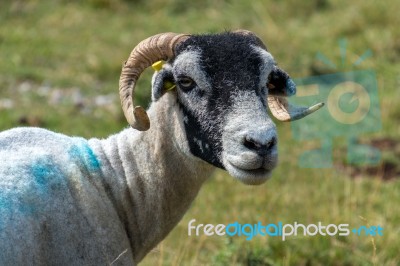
pixel 154 178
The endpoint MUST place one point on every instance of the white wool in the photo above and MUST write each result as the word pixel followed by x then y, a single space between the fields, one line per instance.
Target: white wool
pixel 69 201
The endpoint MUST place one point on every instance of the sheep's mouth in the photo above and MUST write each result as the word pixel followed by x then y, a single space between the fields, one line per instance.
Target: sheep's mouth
pixel 248 175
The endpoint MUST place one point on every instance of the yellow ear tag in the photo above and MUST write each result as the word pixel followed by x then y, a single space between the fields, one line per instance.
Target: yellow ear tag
pixel 157 65
pixel 168 85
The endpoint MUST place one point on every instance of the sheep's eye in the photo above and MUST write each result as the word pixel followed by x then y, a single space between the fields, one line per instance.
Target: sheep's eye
pixel 186 83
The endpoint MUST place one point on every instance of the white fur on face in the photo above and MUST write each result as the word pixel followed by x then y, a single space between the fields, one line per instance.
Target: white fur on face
pixel 248 117
pixel 188 64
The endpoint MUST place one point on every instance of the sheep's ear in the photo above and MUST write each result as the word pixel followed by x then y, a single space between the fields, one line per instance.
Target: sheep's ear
pixel 280 84
pixel 162 82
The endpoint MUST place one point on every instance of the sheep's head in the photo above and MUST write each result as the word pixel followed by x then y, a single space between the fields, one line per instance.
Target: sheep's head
pixel 224 84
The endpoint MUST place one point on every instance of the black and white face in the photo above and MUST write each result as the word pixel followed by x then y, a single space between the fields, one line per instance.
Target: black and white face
pixel 221 87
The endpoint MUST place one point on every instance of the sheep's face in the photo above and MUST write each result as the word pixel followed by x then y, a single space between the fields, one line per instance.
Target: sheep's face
pixel 221 87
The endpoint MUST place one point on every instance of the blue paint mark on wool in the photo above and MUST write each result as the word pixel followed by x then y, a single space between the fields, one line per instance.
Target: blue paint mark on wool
pixel 81 152
pixel 48 179
pixel 46 173
pixel 5 202
pixel 39 181
pixel 93 162
pixel 5 205
pixel 41 172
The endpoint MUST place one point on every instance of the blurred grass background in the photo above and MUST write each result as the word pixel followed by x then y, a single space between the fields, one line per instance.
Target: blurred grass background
pixel 59 68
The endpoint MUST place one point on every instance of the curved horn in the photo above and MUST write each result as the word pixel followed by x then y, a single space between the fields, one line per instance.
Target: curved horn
pixel 279 106
pixel 284 111
pixel 153 49
pixel 280 85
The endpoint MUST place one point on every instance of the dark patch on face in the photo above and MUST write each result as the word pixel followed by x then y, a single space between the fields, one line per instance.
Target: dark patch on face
pixel 210 146
pixel 232 65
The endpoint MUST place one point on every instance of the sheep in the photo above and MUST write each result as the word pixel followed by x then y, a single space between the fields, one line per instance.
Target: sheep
pixel 71 201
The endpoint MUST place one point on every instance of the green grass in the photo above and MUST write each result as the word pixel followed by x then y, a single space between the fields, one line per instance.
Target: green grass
pixel 80 45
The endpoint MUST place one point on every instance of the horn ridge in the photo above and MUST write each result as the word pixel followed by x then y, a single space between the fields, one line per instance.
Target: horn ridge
pixel 155 48
pixel 284 111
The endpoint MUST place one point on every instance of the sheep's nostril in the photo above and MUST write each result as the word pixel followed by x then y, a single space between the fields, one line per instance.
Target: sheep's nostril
pixel 251 144
pixel 261 147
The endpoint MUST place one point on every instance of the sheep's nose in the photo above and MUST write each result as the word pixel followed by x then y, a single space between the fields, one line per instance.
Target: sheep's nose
pixel 261 143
